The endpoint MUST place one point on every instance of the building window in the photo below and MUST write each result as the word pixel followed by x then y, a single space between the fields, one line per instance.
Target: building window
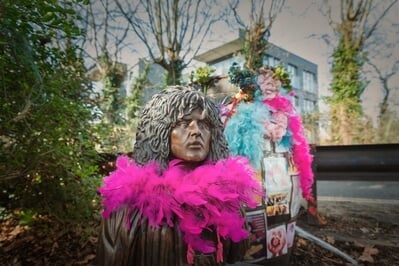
pixel 223 67
pixel 271 61
pixel 309 81
pixel 308 106
pixel 292 70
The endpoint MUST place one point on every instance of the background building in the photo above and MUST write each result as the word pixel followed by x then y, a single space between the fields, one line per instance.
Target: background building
pixel 303 73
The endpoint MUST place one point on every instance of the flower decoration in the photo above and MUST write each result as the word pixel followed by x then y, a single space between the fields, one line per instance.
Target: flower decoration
pixel 202 76
pixel 244 79
pixel 282 74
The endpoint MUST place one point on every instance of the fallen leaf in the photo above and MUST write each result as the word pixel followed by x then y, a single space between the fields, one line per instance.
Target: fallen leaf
pixel 87 259
pixel 330 240
pixel 321 219
pixel 17 230
pixel 371 249
pixel 366 258
pixel 368 253
pixel 364 230
pixel 302 242
pixel 93 240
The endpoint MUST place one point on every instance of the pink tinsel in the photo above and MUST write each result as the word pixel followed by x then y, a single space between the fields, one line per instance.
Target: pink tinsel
pixel 300 148
pixel 212 195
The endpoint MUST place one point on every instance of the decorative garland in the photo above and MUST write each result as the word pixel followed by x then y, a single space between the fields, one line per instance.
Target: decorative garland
pixel 300 148
pixel 209 196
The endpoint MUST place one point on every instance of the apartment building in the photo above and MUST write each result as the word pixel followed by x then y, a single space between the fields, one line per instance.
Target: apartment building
pixel 303 73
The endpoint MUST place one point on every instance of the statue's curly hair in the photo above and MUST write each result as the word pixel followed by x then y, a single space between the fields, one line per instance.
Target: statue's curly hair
pixel 159 117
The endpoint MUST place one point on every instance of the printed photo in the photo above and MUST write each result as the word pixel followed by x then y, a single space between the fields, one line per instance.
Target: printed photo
pixel 276 241
pixel 257 228
pixel 278 203
pixel 277 178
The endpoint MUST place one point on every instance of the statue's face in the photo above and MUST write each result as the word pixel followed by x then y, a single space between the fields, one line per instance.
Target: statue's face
pixel 268 86
pixel 190 138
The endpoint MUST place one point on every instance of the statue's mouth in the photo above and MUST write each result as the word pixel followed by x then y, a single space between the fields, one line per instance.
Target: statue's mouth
pixel 195 144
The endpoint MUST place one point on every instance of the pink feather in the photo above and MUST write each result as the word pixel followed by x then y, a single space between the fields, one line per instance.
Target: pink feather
pixel 208 197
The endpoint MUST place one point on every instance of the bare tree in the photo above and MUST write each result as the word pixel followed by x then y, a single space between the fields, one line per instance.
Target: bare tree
pixel 106 34
pixel 386 117
pixel 172 31
pixel 356 23
pixel 384 79
pixel 257 30
pixel 105 40
pixel 382 63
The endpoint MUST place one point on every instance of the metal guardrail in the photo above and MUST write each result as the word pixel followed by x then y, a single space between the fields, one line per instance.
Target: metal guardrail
pixel 371 162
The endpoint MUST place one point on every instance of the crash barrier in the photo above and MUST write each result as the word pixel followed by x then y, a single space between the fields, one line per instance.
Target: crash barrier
pixel 370 162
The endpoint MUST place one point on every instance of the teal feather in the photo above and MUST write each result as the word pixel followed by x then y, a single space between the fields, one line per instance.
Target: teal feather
pixel 245 131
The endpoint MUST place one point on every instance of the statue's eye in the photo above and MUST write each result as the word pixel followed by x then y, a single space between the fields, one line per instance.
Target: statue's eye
pixel 183 123
pixel 204 124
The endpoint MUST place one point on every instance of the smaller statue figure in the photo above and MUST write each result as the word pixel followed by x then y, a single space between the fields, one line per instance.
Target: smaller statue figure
pixel 262 125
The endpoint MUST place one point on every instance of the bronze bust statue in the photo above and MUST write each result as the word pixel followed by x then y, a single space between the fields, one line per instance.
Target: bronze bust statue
pixel 179 200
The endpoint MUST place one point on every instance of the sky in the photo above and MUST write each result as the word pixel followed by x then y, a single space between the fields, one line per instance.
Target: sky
pixel 297 40
pixel 298 29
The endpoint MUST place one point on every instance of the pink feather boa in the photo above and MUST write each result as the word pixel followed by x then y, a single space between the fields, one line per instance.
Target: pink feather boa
pixel 209 196
pixel 300 148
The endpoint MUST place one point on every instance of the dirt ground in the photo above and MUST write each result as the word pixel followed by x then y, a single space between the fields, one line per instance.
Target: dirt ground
pixel 367 232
